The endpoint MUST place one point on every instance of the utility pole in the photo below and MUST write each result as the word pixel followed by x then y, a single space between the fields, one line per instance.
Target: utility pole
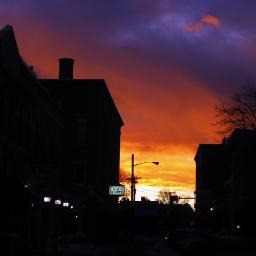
pixel 132 181
pixel 133 178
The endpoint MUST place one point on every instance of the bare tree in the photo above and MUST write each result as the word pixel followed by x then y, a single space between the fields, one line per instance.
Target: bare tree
pixel 165 196
pixel 127 193
pixel 145 199
pixel 126 182
pixel 238 112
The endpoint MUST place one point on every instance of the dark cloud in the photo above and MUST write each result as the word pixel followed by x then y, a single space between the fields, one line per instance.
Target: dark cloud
pixel 153 30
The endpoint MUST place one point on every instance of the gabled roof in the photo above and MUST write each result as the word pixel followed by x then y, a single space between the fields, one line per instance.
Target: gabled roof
pixel 9 52
pixel 98 84
pixel 239 135
pixel 208 149
pixel 16 68
pixel 8 41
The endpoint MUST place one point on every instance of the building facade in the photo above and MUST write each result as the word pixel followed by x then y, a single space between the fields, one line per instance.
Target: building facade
pixel 30 147
pixel 30 119
pixel 91 134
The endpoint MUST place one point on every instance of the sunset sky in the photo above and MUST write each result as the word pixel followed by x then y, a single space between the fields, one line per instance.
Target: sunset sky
pixel 166 63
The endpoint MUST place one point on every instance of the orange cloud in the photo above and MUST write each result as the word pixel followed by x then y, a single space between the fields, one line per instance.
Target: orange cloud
pixel 211 20
pixel 205 20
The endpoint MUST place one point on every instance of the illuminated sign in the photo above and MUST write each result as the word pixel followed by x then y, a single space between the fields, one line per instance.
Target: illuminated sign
pixel 116 190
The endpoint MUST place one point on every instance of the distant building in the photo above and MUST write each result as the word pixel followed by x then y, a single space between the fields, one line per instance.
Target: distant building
pixel 225 175
pixel 148 216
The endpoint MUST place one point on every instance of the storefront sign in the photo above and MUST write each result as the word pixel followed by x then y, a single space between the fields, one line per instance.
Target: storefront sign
pixel 116 190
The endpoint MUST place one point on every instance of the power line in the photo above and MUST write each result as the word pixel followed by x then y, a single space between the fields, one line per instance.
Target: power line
pixel 149 192
pixel 153 191
pixel 146 190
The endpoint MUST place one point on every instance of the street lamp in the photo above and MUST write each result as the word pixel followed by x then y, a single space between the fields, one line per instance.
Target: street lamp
pixel 47 199
pixel 133 190
pixel 66 204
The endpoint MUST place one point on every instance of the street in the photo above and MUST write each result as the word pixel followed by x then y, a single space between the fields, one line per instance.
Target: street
pixel 140 245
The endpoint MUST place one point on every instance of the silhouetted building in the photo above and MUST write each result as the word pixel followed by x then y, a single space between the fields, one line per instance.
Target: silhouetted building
pixel 29 138
pixel 30 119
pixel 91 135
pixel 211 173
pixel 59 144
pixel 225 175
pixel 150 216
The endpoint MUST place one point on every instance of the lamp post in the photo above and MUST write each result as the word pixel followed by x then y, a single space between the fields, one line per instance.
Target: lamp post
pixel 133 178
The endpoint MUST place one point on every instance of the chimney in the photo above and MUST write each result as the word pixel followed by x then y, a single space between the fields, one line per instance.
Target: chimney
pixel 66 68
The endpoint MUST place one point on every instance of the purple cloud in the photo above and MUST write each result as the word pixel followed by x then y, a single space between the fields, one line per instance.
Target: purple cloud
pixel 153 31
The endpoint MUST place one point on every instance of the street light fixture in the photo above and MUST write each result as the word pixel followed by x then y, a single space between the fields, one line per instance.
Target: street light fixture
pixel 57 202
pixel 156 163
pixel 66 204
pixel 47 199
pixel 133 190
